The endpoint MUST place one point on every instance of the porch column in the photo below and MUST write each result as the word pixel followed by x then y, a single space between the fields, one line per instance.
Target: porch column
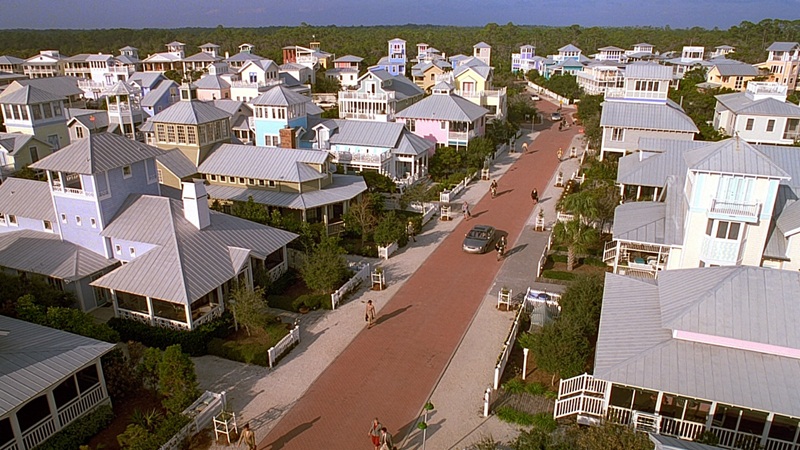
pixel 150 310
pixel 53 408
pixel 711 412
pixel 220 298
pixel 655 194
pixel 767 426
pixel 114 302
pixel 622 191
pixel 607 397
pixel 638 192
pixel 16 430
pixel 659 399
pixel 616 258
pixel 188 308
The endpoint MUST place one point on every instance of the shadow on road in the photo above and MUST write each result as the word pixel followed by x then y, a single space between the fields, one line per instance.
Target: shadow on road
pixel 293 433
pixel 516 249
pixel 395 313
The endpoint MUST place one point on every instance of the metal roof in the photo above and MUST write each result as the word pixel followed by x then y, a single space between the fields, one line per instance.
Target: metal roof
pixel 97 153
pixel 663 442
pixel 202 57
pixel 176 162
pixel 646 116
pixel 734 69
pixel 483 70
pixel 14 142
pixel 640 222
pixel 34 359
pixel 444 107
pixel 186 263
pixel 403 87
pixel 635 349
pixel 158 93
pixel 47 254
pixel 264 163
pixel 26 198
pixel 783 47
pixel 741 103
pixel 16 94
pixel 147 80
pixel 648 71
pixel 788 158
pixel 481 45
pixel 192 112
pixel 163 57
pixel 122 88
pixel 13 60
pixel 61 86
pixel 244 56
pixel 349 58
pixel 343 188
pixel 411 144
pixel 212 82
pixel 100 122
pixel 368 134
pixel 569 48
pixel 279 95
pixel 733 156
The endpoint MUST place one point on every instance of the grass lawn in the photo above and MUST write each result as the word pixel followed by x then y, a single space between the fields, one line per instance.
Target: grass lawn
pixel 555 267
pixel 252 348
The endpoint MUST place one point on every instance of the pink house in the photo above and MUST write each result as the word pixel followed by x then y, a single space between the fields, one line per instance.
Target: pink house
pixel 445 118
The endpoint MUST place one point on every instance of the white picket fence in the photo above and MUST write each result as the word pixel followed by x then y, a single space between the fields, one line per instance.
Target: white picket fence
pixel 428 210
pixel 543 258
pixel 284 345
pixel 502 360
pixel 386 252
pixel 201 412
pixel 362 274
pixel 447 195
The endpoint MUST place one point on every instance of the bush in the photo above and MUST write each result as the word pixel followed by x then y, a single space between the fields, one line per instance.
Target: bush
pixel 558 275
pixel 283 283
pixel 536 389
pixel 120 374
pixel 378 183
pixel 194 342
pixel 545 422
pixel 80 431
pixel 64 318
pixel 558 258
pixel 511 415
pixel 311 301
pixel 514 386
pixel 250 353
pixel 592 261
pixel 137 438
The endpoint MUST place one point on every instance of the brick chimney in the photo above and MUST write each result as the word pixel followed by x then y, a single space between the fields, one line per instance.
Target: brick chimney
pixel 288 137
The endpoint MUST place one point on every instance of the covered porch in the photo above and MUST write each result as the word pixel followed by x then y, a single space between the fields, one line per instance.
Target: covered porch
pixel 639 259
pixel 593 401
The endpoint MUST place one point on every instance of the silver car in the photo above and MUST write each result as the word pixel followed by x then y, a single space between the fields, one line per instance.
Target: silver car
pixel 479 239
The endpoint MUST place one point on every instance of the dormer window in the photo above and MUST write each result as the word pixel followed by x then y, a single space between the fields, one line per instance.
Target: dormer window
pixel 132 252
pixel 12 220
pixel 48 226
pixel 2 219
pixel 63 218
pixel 118 249
pixel 78 220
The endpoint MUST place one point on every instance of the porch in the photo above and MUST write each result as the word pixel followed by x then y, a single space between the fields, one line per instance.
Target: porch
pixel 593 401
pixel 637 259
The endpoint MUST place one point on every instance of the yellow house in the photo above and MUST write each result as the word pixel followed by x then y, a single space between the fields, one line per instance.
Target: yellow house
pixel 425 73
pixel 732 75
pixel 473 81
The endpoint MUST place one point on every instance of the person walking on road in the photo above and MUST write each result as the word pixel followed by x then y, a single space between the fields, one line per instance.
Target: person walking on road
pixel 387 442
pixel 369 315
pixel 535 196
pixel 560 153
pixel 375 433
pixel 465 210
pixel 493 188
pixel 248 437
pixel 410 231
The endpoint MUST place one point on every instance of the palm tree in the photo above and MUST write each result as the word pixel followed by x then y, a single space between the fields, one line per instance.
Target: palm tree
pixel 576 236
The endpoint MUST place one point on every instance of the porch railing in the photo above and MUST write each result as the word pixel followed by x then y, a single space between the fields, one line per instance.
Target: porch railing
pixel 80 405
pixel 736 439
pixel 284 345
pixel 209 316
pixel 683 429
pixel 750 210
pixel 336 228
pixel 10 446
pixel 582 384
pixel 40 432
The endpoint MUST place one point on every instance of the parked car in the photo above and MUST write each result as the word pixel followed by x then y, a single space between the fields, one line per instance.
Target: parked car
pixel 556 116
pixel 535 97
pixel 479 239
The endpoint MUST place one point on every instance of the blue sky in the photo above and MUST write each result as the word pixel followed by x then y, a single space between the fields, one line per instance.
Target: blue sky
pixel 252 13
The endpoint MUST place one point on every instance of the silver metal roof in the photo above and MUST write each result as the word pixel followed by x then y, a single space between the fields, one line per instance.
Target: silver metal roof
pixel 783 47
pixel 61 86
pixel 186 263
pixel 646 116
pixel 46 254
pixel 97 153
pixel 444 107
pixel 481 45
pixel 100 122
pixel 122 88
pixel 670 443
pixel 14 142
pixel 147 80
pixel 34 359
pixel 176 162
pixel 569 48
pixel 279 95
pixel 212 82
pixel 635 349
pixel 265 163
pixel 740 103
pixel 788 159
pixel 648 71
pixel 16 94
pixel 158 93
pixel 349 58
pixel 369 134
pixel 735 69
pixel 6 59
pixel 733 156
pixel 483 70
pixel 192 112
pixel 343 188
pixel 26 198
pixel 411 144
pixel 640 222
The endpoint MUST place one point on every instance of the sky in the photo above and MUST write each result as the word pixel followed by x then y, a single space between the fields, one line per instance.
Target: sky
pixel 88 14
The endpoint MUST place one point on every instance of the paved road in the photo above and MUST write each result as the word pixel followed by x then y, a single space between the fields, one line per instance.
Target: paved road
pixel 391 370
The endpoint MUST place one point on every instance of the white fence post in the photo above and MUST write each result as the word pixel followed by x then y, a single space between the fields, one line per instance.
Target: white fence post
pixel 284 345
pixel 487 400
pixel 351 284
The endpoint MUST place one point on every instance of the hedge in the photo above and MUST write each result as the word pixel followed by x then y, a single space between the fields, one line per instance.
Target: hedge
pixel 252 353
pixel 558 275
pixel 80 431
pixel 194 342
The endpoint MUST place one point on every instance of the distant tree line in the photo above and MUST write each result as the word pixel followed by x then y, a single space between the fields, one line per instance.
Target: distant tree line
pixel 750 39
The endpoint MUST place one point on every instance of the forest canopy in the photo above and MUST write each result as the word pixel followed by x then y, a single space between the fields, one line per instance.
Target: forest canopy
pixel 749 39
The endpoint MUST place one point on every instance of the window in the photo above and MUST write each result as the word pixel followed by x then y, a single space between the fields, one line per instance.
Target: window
pixel 126 172
pixel 241 180
pixel 93 222
pixel 2 219
pixel 63 218
pixel 271 183
pixel 48 111
pixel 171 133
pixel 48 226
pixel 12 220
pixel 118 249
pixel 411 125
pixel 728 230
pixel 617 134
pixel 181 134
pixel 78 220
pixel 57 109
pixel 79 132
pixel 212 177
pixel 443 125
pixel 749 126
pixel 23 112
pixel 160 175
pixel 191 133
pixel 132 252
pixel 770 125
pixel 251 181
pixel 36 110
pixel 261 182
pixel 222 178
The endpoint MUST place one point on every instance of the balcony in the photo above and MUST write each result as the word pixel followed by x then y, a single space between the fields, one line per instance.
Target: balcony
pixel 747 212
pixel 255 84
pixel 91 85
pixel 377 97
pixel 460 136
pixel 369 158
pixel 625 93
pixel 719 251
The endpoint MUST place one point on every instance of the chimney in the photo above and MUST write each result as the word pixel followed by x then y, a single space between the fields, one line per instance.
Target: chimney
pixel 227 55
pixel 288 138
pixel 195 204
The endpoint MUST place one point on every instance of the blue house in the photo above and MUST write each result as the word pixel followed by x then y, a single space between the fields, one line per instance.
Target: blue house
pixel 281 108
pixel 395 63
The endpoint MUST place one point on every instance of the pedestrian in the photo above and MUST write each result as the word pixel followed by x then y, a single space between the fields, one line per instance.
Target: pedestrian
pixel 535 196
pixel 560 126
pixel 375 433
pixel 248 437
pixel 465 210
pixel 411 231
pixel 387 443
pixel 369 315
pixel 493 188
pixel 560 153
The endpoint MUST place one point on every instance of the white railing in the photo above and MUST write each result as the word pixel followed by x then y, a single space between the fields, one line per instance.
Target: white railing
pixel 621 416
pixel 284 345
pixel 163 322
pixel 278 271
pixel 133 315
pixel 582 384
pixel 208 317
pixel 646 422
pixel 777 444
pixel 735 439
pixel 255 85
pixel 39 433
pixel 66 190
pixel 426 209
pixel 10 446
pixel 341 156
pixel 502 360
pixel 735 209
pixel 460 135
pixel 91 85
pixel 447 195
pixel 543 257
pixel 683 429
pixel 580 404
pixel 725 251
pixel 361 275
pixel 202 411
pixel 386 252
pixel 80 405
pixel 355 95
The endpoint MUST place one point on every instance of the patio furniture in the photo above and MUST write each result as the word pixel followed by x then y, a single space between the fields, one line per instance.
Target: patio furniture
pixel 504 297
pixel 225 423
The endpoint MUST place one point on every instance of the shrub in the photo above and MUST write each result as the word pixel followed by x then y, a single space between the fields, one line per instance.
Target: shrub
pixel 311 301
pixel 80 431
pixel 592 261
pixel 64 318
pixel 249 353
pixel 283 283
pixel 511 415
pixel 545 422
pixel 177 381
pixel 136 437
pixel 193 342
pixel 558 275
pixel 120 374
pixel 514 386
pixel 536 389
pixel 558 258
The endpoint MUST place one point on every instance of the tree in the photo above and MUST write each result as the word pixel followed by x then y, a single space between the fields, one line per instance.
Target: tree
pixel 325 84
pixel 325 266
pixel 416 193
pixel 478 150
pixel 248 307
pixel 390 229
pixel 174 75
pixel 361 218
pixel 576 236
pixel 177 381
pixel 561 349
pixel 445 162
pixel 27 173
pixel 250 210
pixel 582 302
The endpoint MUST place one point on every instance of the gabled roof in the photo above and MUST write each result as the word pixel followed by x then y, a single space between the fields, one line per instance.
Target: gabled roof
pixel 97 153
pixel 292 67
pixel 648 71
pixel 209 45
pixel 484 71
pixel 263 64
pixel 192 112
pixel 176 162
pixel 783 47
pixel 244 56
pixel 212 82
pixel 349 58
pixel 27 198
pixel 61 86
pixel 646 116
pixel 740 103
pixel 121 88
pixel 34 359
pixel 640 222
pixel 99 123
pixel 156 95
pixel 611 48
pixel 733 156
pixel 147 80
pixel 569 48
pixel 265 163
pixel 736 69
pixel 202 57
pixel 186 263
pixel 444 107
pixel 411 144
pixel 481 45
pixel 16 94
pixel 5 59
pixel 47 254
pixel 232 107
pixel 279 95
pixel 368 134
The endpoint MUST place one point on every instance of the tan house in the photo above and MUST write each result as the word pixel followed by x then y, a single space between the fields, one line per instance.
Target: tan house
pixel 732 75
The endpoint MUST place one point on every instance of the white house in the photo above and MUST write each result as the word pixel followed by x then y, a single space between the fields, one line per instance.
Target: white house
pixel 760 115
pixel 379 96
